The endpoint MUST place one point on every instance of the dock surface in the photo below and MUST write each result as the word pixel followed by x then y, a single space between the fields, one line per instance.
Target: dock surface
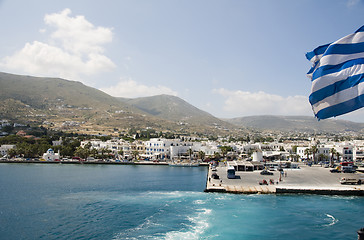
pixel 306 180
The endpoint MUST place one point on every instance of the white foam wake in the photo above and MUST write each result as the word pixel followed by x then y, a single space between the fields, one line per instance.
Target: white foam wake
pixel 199 224
pixel 332 219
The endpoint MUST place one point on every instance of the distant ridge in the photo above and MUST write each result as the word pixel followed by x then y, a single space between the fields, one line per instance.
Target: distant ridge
pixel 41 92
pixel 296 123
pixel 173 108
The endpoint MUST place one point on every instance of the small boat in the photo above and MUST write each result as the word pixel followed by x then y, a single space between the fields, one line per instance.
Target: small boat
pixel 184 164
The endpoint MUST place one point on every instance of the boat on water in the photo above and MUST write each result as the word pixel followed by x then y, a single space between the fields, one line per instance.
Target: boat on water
pixel 184 164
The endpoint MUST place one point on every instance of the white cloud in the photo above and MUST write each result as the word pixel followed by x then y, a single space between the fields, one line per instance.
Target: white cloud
pixel 239 103
pixel 74 48
pixel 131 89
pixel 76 34
pixel 352 3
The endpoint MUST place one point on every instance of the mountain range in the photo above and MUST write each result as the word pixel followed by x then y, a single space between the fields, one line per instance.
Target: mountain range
pixel 73 106
pixel 296 124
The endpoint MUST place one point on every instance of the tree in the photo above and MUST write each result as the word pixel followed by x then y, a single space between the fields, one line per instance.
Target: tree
pixel 135 154
pixel 225 149
pixel 294 149
pixel 27 150
pixel 250 152
pixel 121 153
pixel 333 152
pixel 67 151
pixel 82 152
pixel 217 156
pixel 88 145
pixel 295 157
pixel 39 149
pixel 322 157
pixel 314 150
pixel 190 152
pixel 94 152
pixel 307 152
pixel 12 152
pixel 201 155
pixel 104 152
pixel 7 128
pixel 338 156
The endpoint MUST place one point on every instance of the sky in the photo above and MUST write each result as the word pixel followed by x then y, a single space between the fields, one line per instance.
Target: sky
pixel 231 58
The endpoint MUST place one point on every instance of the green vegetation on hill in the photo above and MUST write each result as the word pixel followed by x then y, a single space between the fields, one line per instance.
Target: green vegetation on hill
pixel 69 105
pixel 174 109
pixel 44 92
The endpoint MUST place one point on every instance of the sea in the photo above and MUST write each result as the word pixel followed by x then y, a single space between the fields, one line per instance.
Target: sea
pixel 80 201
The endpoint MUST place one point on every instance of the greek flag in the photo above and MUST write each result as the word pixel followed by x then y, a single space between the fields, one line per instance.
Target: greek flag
pixel 337 76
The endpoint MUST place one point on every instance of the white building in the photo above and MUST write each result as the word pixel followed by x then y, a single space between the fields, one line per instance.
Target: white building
pixel 258 156
pixel 114 145
pixel 5 148
pixel 50 155
pixel 157 148
pixel 210 150
pixel 358 154
pixel 346 152
pixel 57 142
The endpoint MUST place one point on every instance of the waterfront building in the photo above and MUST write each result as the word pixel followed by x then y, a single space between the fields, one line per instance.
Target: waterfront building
pixel 50 155
pixel 180 149
pixel 137 147
pixel 114 145
pixel 5 148
pixel 157 148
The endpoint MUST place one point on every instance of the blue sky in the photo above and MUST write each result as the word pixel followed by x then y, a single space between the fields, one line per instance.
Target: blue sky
pixel 229 58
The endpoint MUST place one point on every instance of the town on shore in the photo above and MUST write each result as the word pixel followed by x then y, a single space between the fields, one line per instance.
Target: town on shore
pixel 19 144
pixel 254 163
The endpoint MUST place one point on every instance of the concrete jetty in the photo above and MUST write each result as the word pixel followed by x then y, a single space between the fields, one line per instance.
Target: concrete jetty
pixel 305 180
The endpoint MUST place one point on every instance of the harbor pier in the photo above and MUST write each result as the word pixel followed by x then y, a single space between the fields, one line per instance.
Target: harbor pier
pixel 303 180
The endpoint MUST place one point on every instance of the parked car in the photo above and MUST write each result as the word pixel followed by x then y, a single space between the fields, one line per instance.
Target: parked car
pixel 266 172
pixel 349 170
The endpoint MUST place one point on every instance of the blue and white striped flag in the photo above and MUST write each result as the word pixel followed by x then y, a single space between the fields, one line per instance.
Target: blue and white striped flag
pixel 337 76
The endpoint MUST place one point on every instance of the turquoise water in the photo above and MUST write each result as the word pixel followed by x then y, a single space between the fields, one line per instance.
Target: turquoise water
pixel 39 201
